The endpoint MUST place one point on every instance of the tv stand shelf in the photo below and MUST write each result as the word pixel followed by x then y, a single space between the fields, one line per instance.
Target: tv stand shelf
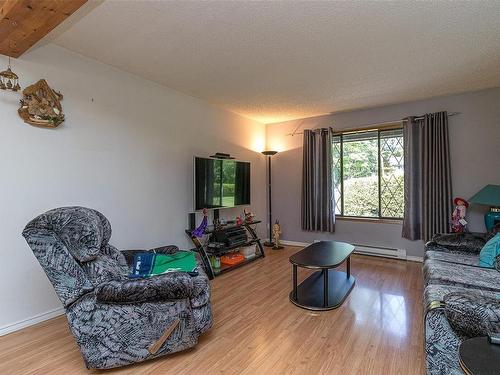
pixel 229 249
pixel 205 251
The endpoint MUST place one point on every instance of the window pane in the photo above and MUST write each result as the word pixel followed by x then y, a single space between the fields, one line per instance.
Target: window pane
pixel 360 173
pixel 392 173
pixel 337 183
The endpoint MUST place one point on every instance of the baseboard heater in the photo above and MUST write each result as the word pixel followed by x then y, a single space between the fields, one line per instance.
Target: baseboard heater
pixel 386 252
pixel 377 251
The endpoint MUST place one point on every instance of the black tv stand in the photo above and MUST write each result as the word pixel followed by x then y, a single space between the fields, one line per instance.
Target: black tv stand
pixel 205 251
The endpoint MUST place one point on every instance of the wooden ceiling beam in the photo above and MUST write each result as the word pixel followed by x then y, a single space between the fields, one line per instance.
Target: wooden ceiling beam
pixel 25 22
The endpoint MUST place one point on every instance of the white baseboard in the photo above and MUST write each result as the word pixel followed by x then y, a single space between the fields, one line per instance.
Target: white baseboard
pixel 412 258
pixel 9 328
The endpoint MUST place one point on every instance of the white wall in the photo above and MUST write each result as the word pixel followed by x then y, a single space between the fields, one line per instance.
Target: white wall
pixel 126 149
pixel 474 140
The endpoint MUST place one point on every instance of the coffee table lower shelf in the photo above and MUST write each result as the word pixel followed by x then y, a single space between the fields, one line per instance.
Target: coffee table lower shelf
pixel 310 294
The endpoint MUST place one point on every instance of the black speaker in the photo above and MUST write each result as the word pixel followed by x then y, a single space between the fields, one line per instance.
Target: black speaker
pixel 192 221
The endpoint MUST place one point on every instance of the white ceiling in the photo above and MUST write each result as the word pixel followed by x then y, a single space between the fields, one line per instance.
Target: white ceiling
pixel 274 61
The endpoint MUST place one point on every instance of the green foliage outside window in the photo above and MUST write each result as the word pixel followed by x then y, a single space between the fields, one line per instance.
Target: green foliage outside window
pixel 228 189
pixel 227 184
pixel 362 187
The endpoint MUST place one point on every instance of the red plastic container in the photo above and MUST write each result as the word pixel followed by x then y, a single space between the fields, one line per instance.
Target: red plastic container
pixel 232 259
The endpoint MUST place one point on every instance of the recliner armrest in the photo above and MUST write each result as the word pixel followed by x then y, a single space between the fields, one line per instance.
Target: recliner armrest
pixel 462 242
pixel 471 314
pixel 174 285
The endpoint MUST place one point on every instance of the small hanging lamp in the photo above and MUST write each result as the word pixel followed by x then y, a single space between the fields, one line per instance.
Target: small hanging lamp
pixel 9 80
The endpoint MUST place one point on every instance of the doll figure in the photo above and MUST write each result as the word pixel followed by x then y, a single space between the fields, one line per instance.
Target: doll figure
pixel 458 222
pixel 200 231
pixel 276 235
pixel 249 216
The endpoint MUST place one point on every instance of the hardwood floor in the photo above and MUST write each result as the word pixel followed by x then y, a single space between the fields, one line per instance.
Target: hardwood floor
pixel 378 329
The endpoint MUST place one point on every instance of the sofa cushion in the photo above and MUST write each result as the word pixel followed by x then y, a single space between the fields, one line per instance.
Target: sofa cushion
pixel 459 258
pixel 110 264
pixel 462 242
pixel 492 232
pixel 434 294
pixel 471 314
pixel 444 273
pixel 441 340
pixel 489 252
pixel 441 345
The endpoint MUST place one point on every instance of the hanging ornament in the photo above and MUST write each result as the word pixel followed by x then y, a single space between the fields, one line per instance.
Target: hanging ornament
pixel 9 80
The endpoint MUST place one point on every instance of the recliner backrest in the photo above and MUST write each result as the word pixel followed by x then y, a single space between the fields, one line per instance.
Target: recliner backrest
pixel 65 241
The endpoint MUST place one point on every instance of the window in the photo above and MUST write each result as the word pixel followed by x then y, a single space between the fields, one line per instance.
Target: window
pixel 368 173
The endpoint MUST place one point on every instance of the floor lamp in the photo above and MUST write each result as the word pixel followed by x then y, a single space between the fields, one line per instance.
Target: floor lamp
pixel 270 215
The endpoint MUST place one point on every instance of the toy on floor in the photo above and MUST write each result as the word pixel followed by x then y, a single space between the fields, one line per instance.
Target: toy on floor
pixel 458 222
pixel 276 235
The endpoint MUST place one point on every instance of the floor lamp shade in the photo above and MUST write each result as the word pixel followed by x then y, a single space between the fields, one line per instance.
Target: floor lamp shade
pixel 489 196
pixel 269 154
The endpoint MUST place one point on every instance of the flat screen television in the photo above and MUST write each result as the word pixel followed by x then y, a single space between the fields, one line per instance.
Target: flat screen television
pixel 221 183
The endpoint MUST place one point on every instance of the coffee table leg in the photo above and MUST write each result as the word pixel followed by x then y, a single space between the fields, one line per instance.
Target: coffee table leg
pixel 325 287
pixel 349 267
pixel 295 282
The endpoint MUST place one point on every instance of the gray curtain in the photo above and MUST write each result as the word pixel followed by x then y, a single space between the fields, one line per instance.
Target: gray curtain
pixel 427 180
pixel 318 209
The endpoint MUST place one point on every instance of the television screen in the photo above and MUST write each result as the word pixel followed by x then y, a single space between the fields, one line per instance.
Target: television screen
pixel 221 183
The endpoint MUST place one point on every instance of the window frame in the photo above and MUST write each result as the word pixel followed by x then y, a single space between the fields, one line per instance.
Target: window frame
pixel 378 129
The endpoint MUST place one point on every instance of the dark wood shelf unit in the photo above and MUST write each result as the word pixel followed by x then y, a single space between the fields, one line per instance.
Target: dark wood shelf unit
pixel 205 252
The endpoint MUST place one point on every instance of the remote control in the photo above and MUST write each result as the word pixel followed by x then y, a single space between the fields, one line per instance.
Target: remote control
pixel 494 338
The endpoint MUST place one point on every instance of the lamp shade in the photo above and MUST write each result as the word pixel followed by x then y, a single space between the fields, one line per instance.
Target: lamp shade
pixel 269 153
pixel 488 196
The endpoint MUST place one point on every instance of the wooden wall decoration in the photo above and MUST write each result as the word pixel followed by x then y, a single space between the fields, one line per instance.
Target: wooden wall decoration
pixel 41 106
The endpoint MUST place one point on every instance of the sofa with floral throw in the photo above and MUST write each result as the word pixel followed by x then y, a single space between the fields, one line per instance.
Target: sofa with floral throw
pixel 461 299
pixel 116 320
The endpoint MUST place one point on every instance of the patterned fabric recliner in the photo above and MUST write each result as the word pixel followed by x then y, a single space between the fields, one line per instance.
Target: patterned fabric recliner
pixel 461 298
pixel 116 320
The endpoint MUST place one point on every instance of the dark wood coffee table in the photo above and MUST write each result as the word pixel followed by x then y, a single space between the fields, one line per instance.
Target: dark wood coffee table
pixel 479 357
pixel 324 289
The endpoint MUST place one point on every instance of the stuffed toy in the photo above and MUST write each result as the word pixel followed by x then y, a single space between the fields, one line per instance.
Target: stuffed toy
pixel 200 231
pixel 249 216
pixel 276 235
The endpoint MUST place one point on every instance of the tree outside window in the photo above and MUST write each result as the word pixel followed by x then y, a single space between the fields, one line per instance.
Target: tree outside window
pixel 368 173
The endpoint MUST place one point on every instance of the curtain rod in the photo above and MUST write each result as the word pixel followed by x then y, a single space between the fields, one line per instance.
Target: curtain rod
pixel 386 124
